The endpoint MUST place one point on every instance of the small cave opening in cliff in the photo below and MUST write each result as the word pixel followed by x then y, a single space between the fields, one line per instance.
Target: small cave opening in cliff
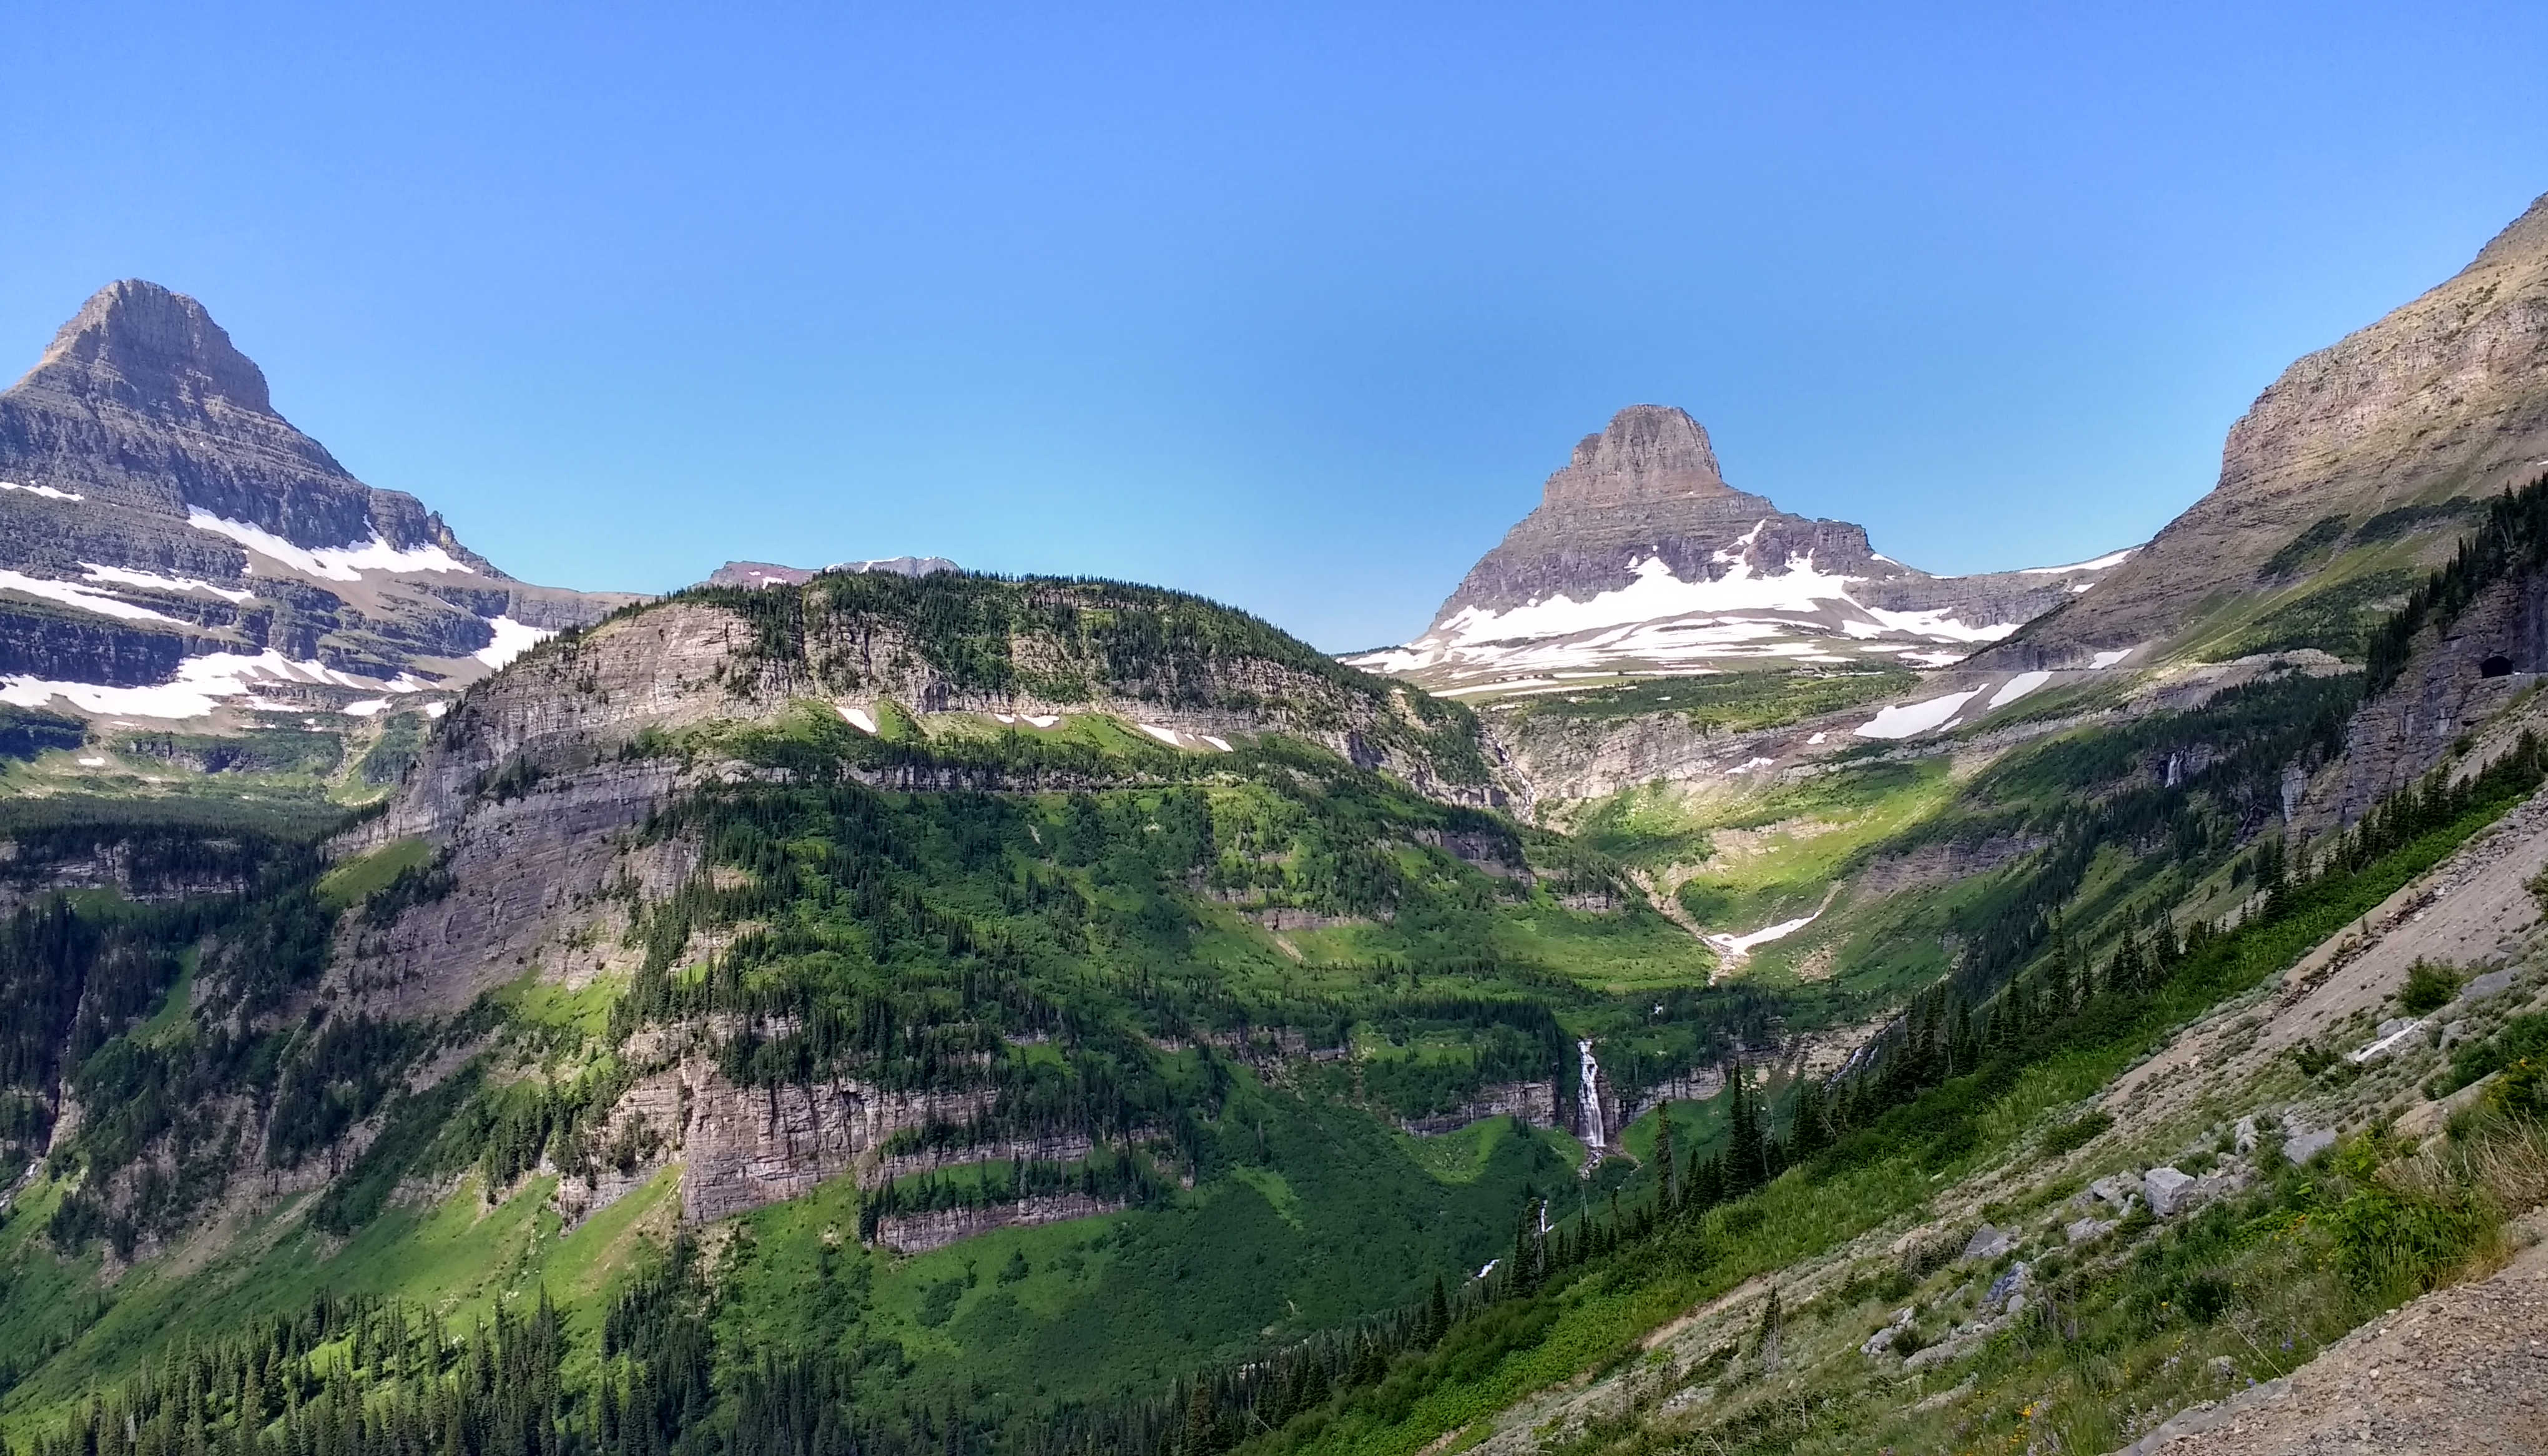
pixel 2497 665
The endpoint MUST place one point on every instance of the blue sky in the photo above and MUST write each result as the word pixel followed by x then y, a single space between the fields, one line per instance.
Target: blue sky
pixel 1291 305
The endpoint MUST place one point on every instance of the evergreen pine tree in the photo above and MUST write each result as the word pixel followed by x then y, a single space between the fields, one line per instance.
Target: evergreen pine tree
pixel 1664 1167
pixel 1745 1169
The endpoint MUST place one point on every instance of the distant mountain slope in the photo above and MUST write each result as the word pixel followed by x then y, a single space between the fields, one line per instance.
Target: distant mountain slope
pixel 767 574
pixel 2346 478
pixel 172 548
pixel 1642 559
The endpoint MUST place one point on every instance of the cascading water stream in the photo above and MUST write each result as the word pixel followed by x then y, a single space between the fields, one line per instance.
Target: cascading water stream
pixel 1588 1097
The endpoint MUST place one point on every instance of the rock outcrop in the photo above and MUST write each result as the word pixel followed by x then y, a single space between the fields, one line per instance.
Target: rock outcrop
pixel 1641 558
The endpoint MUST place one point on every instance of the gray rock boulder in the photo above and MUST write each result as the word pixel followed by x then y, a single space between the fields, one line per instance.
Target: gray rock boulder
pixel 2305 1143
pixel 2080 1230
pixel 1987 1242
pixel 2008 1286
pixel 2169 1191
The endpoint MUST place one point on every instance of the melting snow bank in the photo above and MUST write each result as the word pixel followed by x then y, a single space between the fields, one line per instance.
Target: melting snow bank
pixel 123 576
pixel 48 492
pixel 334 562
pixel 2108 658
pixel 202 682
pixel 513 639
pixel 859 718
pixel 71 593
pixel 1906 720
pixel 2019 687
pixel 2110 559
pixel 1735 948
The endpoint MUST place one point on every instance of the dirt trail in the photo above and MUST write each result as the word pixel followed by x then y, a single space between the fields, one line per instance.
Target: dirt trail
pixel 2462 1370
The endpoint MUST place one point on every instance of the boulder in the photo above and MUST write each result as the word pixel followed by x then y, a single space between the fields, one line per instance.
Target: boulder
pixel 2010 1287
pixel 2493 984
pixel 2083 1230
pixel 2244 1135
pixel 1987 1242
pixel 2305 1143
pixel 2116 1190
pixel 1881 1342
pixel 2168 1190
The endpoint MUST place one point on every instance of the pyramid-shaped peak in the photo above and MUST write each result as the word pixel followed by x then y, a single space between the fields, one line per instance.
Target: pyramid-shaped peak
pixel 1648 452
pixel 152 348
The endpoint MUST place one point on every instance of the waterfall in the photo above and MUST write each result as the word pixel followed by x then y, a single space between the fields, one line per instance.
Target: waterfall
pixel 1588 1096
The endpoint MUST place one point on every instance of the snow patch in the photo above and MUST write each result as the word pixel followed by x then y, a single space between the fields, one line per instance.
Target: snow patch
pixel 1937 623
pixel 365 708
pixel 333 562
pixel 859 718
pixel 201 683
pixel 125 577
pixel 513 639
pixel 2019 687
pixel 1163 735
pixel 1221 744
pixel 1043 720
pixel 92 762
pixel 2110 558
pixel 1902 720
pixel 48 492
pixel 2108 658
pixel 1735 948
pixel 70 593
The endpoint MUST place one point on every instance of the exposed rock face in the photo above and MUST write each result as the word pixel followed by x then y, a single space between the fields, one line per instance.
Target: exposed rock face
pixel 1640 556
pixel 1534 1103
pixel 917 1234
pixel 155 507
pixel 2445 400
pixel 2491 654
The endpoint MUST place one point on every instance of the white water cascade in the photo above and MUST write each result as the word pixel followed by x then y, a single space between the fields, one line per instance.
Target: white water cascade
pixel 1588 1097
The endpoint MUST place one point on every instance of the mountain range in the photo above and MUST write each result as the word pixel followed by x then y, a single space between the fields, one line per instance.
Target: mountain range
pixel 892 1011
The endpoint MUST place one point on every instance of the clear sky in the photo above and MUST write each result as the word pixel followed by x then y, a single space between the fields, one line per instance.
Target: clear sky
pixel 1294 305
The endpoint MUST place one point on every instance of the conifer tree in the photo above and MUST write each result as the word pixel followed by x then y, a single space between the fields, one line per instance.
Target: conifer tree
pixel 1664 1167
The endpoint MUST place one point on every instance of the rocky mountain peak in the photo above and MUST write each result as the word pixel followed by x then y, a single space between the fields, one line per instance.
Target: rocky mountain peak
pixel 152 350
pixel 1648 452
pixel 1642 559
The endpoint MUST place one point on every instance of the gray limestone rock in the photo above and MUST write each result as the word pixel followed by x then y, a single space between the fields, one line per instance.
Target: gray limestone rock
pixel 2305 1143
pixel 2168 1190
pixel 2080 1230
pixel 1987 1242
pixel 2008 1286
